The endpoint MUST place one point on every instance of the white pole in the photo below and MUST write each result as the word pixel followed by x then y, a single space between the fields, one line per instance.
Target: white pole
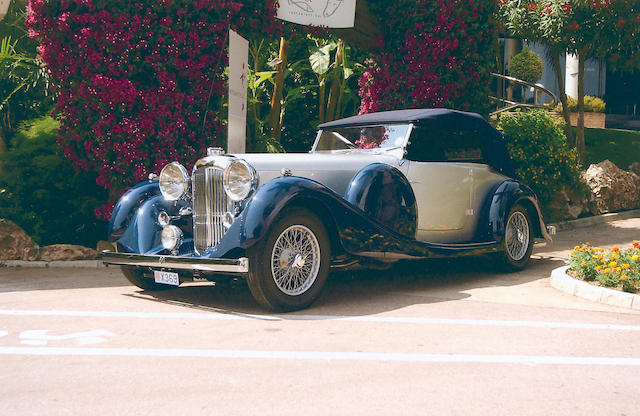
pixel 571 75
pixel 4 7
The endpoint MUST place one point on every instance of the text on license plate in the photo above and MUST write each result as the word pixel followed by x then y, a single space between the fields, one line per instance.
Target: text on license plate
pixel 168 278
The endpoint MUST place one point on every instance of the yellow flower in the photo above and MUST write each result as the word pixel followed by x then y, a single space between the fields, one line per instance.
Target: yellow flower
pixel 573 252
pixel 607 270
pixel 576 247
pixel 598 268
pixel 623 277
pixel 613 264
pixel 603 261
pixel 634 257
pixel 582 264
pixel 626 266
pixel 618 269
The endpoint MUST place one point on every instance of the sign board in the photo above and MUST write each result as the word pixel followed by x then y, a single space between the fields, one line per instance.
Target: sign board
pixel 328 13
pixel 238 73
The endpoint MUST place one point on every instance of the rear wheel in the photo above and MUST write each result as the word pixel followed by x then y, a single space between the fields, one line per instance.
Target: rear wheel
pixel 289 267
pixel 517 243
pixel 136 276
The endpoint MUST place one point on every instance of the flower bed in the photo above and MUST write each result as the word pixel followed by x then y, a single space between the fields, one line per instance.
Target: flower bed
pixel 615 268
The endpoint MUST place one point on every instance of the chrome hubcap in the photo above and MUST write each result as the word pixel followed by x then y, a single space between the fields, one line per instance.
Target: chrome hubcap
pixel 517 236
pixel 295 260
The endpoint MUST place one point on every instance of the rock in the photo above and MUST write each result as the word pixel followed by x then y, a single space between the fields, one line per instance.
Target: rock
pixel 67 252
pixel 105 245
pixel 614 189
pixel 15 244
pixel 570 204
pixel 635 168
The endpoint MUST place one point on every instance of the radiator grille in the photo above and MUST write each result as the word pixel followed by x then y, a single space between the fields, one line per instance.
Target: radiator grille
pixel 210 203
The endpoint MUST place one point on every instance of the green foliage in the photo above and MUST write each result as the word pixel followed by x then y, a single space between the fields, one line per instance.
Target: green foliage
pixel 526 66
pixel 46 196
pixel 23 81
pixel 591 105
pixel 540 154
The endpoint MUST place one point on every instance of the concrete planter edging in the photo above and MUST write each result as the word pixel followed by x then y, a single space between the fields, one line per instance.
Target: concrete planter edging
pixel 565 283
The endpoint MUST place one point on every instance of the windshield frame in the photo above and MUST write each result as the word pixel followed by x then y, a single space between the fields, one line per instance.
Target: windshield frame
pixel 405 140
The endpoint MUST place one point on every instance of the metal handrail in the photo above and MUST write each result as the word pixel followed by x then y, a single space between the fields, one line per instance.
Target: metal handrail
pixel 515 104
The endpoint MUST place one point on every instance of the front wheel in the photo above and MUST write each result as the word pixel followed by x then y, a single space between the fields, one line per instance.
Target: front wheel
pixel 517 242
pixel 289 267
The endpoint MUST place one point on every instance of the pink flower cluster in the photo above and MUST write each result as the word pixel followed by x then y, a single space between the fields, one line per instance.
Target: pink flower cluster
pixel 140 83
pixel 437 54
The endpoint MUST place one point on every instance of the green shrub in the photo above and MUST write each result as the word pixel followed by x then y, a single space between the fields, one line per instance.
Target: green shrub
pixel 591 105
pixel 526 66
pixel 540 154
pixel 44 194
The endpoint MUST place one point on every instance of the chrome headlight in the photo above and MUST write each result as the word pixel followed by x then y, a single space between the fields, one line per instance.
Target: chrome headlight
pixel 171 237
pixel 239 180
pixel 174 181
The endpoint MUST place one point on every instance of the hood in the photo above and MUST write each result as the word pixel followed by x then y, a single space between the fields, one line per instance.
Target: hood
pixel 333 170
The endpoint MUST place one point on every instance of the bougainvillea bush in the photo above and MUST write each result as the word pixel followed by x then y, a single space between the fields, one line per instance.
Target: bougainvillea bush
pixel 140 83
pixel 619 268
pixel 434 53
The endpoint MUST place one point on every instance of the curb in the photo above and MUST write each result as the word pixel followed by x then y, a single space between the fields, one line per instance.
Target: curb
pixel 596 219
pixel 92 264
pixel 565 283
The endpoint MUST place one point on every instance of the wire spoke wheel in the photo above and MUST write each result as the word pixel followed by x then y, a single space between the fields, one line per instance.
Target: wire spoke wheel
pixel 295 260
pixel 517 236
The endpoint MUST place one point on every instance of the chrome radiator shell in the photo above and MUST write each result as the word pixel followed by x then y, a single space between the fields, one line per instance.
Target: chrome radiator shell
pixel 210 204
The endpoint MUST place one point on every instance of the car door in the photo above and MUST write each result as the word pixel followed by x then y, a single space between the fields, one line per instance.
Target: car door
pixel 441 172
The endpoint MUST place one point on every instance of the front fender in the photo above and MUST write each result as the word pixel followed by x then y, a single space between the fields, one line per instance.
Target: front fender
pixel 134 221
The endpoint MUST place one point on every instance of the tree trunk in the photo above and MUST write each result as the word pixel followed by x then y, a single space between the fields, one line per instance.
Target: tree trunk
pixel 321 91
pixel 333 108
pixel 580 143
pixel 278 87
pixel 568 131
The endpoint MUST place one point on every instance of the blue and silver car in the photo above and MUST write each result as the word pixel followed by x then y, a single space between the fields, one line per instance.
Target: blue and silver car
pixel 374 189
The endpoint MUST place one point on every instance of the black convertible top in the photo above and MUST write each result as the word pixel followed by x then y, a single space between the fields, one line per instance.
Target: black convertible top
pixel 497 154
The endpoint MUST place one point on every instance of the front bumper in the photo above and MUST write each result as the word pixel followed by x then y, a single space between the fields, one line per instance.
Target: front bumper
pixel 235 266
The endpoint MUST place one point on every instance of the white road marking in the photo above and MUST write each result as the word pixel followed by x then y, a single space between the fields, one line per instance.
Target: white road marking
pixel 368 319
pixel 323 356
pixel 41 337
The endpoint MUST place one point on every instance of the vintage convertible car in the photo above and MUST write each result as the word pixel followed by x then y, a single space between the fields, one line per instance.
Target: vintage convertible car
pixel 374 189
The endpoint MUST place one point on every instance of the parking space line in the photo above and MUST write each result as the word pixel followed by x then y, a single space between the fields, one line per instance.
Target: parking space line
pixel 324 356
pixel 364 319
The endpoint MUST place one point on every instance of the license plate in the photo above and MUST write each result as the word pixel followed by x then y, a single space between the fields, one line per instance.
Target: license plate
pixel 167 278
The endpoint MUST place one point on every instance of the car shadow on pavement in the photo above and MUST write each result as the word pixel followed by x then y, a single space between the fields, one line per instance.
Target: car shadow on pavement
pixel 366 292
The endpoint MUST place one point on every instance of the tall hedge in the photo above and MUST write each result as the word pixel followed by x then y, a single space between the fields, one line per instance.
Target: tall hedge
pixel 434 53
pixel 140 83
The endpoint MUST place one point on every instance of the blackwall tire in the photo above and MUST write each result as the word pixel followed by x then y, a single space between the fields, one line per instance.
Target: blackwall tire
pixel 289 267
pixel 517 242
pixel 135 275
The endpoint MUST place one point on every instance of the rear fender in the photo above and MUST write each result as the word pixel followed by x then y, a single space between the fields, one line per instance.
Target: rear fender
pixel 498 204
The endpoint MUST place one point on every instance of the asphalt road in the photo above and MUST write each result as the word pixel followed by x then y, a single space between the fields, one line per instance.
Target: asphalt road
pixel 438 337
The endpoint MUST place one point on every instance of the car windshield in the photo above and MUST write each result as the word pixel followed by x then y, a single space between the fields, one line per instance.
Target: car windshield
pixel 364 137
